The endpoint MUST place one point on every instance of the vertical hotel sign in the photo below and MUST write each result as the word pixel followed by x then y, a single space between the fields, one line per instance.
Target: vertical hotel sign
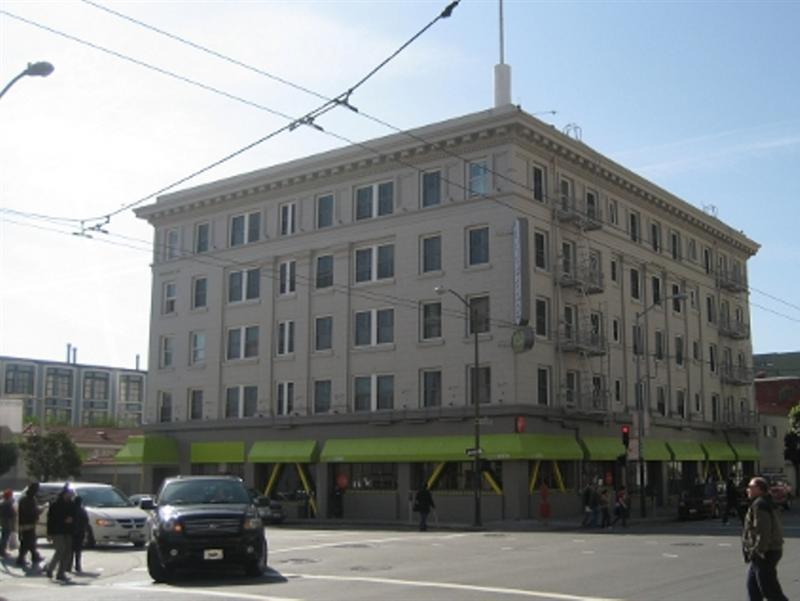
pixel 522 287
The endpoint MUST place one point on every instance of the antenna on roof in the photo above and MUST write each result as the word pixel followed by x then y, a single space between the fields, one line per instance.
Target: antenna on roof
pixel 502 72
pixel 710 210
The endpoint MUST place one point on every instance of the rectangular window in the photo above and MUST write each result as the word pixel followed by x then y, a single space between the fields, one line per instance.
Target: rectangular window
pixel 634 229
pixel 565 189
pixel 613 270
pixel 131 389
pixel 479 319
pixel 375 263
pixel 197 342
pixel 431 388
pixel 592 207
pixel 322 396
pixel 615 329
pixel 542 317
pixel 638 348
pixel 285 398
pixel 636 293
pixel 244 285
pixel 164 406
pixel 431 254
pixel 675 245
pixel 712 358
pixel 708 261
pixel 287 276
pixel 478 178
pixel 202 237
pixel 659 340
pixel 431 320
pixel 172 248
pixel 618 391
pixel 285 337
pixel 661 400
pixel 431 188
pixel 167 349
pixel 680 403
pixel 58 383
pixel 324 276
pixel 478 246
pixel 676 302
pixel 288 223
pixel 323 333
pixel 655 236
pixel 613 212
pixel 324 211
pixel 169 298
pixel 241 401
pixel 679 351
pixel 195 403
pixel 691 247
pixel 199 292
pixel 373 327
pixel 711 309
pixel 19 379
pixel 484 391
pixel 543 386
pixel 374 392
pixel 242 342
pixel 656 290
pixel 540 249
pixel 96 386
pixel 538 176
pixel 245 229
pixel 374 200
pixel 567 257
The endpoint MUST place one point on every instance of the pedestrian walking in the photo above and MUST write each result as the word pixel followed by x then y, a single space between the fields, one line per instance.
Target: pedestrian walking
pixel 731 499
pixel 8 518
pixel 586 501
pixel 60 524
pixel 762 544
pixel 79 528
pixel 423 503
pixel 605 514
pixel 28 512
pixel 621 507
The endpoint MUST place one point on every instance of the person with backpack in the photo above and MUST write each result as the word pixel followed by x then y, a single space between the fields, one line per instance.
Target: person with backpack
pixel 762 544
pixel 28 511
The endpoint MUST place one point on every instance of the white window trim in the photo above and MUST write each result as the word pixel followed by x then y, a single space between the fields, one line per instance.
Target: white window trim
pixel 288 328
pixel 284 399
pixel 194 348
pixel 166 348
pixel 373 397
pixel 375 200
pixel 287 278
pixel 373 335
pixel 316 331
pixel 288 219
pixel 242 342
pixel 246 275
pixel 373 264
pixel 169 302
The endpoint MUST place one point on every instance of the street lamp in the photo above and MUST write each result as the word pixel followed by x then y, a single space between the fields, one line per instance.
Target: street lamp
pixel 476 480
pixel 40 69
pixel 640 395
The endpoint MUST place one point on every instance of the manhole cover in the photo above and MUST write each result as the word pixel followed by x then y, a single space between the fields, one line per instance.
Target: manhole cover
pixel 687 544
pixel 298 560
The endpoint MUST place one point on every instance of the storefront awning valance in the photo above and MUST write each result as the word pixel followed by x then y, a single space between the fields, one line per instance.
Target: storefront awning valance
pixel 283 451
pixel 655 450
pixel 718 450
pixel 686 450
pixel 450 448
pixel 746 451
pixel 603 448
pixel 217 452
pixel 148 450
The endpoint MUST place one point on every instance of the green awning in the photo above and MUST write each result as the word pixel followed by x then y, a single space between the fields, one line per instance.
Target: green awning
pixel 686 450
pixel 718 450
pixel 449 448
pixel 283 451
pixel 148 450
pixel 656 450
pixel 746 451
pixel 603 448
pixel 217 452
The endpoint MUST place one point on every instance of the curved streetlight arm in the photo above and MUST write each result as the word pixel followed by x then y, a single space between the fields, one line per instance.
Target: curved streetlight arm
pixel 40 69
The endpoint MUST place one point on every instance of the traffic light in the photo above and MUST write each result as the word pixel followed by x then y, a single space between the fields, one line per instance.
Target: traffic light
pixel 626 436
pixel 622 459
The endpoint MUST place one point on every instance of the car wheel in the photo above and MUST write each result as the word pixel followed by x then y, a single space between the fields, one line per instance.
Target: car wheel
pixel 157 570
pixel 255 568
pixel 138 544
pixel 89 541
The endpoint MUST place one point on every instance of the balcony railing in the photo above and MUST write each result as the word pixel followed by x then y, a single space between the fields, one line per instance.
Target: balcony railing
pixel 573 210
pixel 587 342
pixel 733 281
pixel 736 375
pixel 736 330
pixel 740 418
pixel 585 276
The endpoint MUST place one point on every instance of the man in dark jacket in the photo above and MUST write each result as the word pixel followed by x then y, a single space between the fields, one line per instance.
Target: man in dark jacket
pixel 27 515
pixel 79 527
pixel 762 544
pixel 731 499
pixel 423 504
pixel 60 524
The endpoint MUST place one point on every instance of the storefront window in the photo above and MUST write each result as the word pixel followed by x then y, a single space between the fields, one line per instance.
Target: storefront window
pixel 369 476
pixel 549 472
pixel 456 476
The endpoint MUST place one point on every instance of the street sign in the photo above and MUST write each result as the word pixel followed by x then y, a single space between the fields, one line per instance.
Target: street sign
pixel 473 452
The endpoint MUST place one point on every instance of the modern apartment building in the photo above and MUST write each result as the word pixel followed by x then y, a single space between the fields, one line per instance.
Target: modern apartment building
pixel 317 325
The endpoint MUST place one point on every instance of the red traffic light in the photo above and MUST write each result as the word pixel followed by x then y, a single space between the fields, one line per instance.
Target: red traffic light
pixel 626 430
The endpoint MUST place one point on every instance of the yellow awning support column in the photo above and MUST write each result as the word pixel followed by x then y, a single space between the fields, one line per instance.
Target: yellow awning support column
pixel 492 482
pixel 435 475
pixel 719 472
pixel 273 479
pixel 312 502
pixel 559 478
pixel 534 477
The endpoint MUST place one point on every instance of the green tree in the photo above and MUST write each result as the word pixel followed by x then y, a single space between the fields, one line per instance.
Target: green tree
pixel 791 444
pixel 8 456
pixel 52 456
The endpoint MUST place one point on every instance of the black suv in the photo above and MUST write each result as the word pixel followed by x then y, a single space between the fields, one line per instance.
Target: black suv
pixel 204 521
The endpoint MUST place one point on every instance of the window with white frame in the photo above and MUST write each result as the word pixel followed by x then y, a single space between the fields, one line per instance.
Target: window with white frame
pixel 479 319
pixel 431 188
pixel 199 292
pixel 322 396
pixel 287 275
pixel 566 192
pixel 285 337
pixel 324 211
pixel 375 200
pixel 478 246
pixel 241 401
pixel 374 263
pixel 323 333
pixel 288 219
pixel 285 398
pixel 172 244
pixel 242 343
pixel 166 353
pixel 431 320
pixel 197 343
pixel 543 386
pixel 324 275
pixel 164 406
pixel 478 178
pixel 431 254
pixel 538 176
pixel 195 403
pixel 373 327
pixel 431 385
pixel 245 229
pixel 58 383
pixel 202 237
pixel 540 249
pixel 131 389
pixel 374 392
pixel 169 298
pixel 244 285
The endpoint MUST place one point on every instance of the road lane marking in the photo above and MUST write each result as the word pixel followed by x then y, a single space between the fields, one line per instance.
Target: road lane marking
pixel 198 592
pixel 669 555
pixel 495 590
pixel 367 541
pixel 724 544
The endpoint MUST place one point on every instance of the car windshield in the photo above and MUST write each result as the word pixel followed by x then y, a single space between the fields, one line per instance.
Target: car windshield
pixel 103 497
pixel 203 492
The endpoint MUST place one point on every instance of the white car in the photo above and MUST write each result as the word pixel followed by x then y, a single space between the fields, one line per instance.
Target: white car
pixel 113 518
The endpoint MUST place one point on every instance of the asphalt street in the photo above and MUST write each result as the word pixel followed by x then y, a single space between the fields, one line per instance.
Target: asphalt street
pixel 672 561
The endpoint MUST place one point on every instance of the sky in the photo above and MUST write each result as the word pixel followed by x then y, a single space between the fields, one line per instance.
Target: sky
pixel 700 98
